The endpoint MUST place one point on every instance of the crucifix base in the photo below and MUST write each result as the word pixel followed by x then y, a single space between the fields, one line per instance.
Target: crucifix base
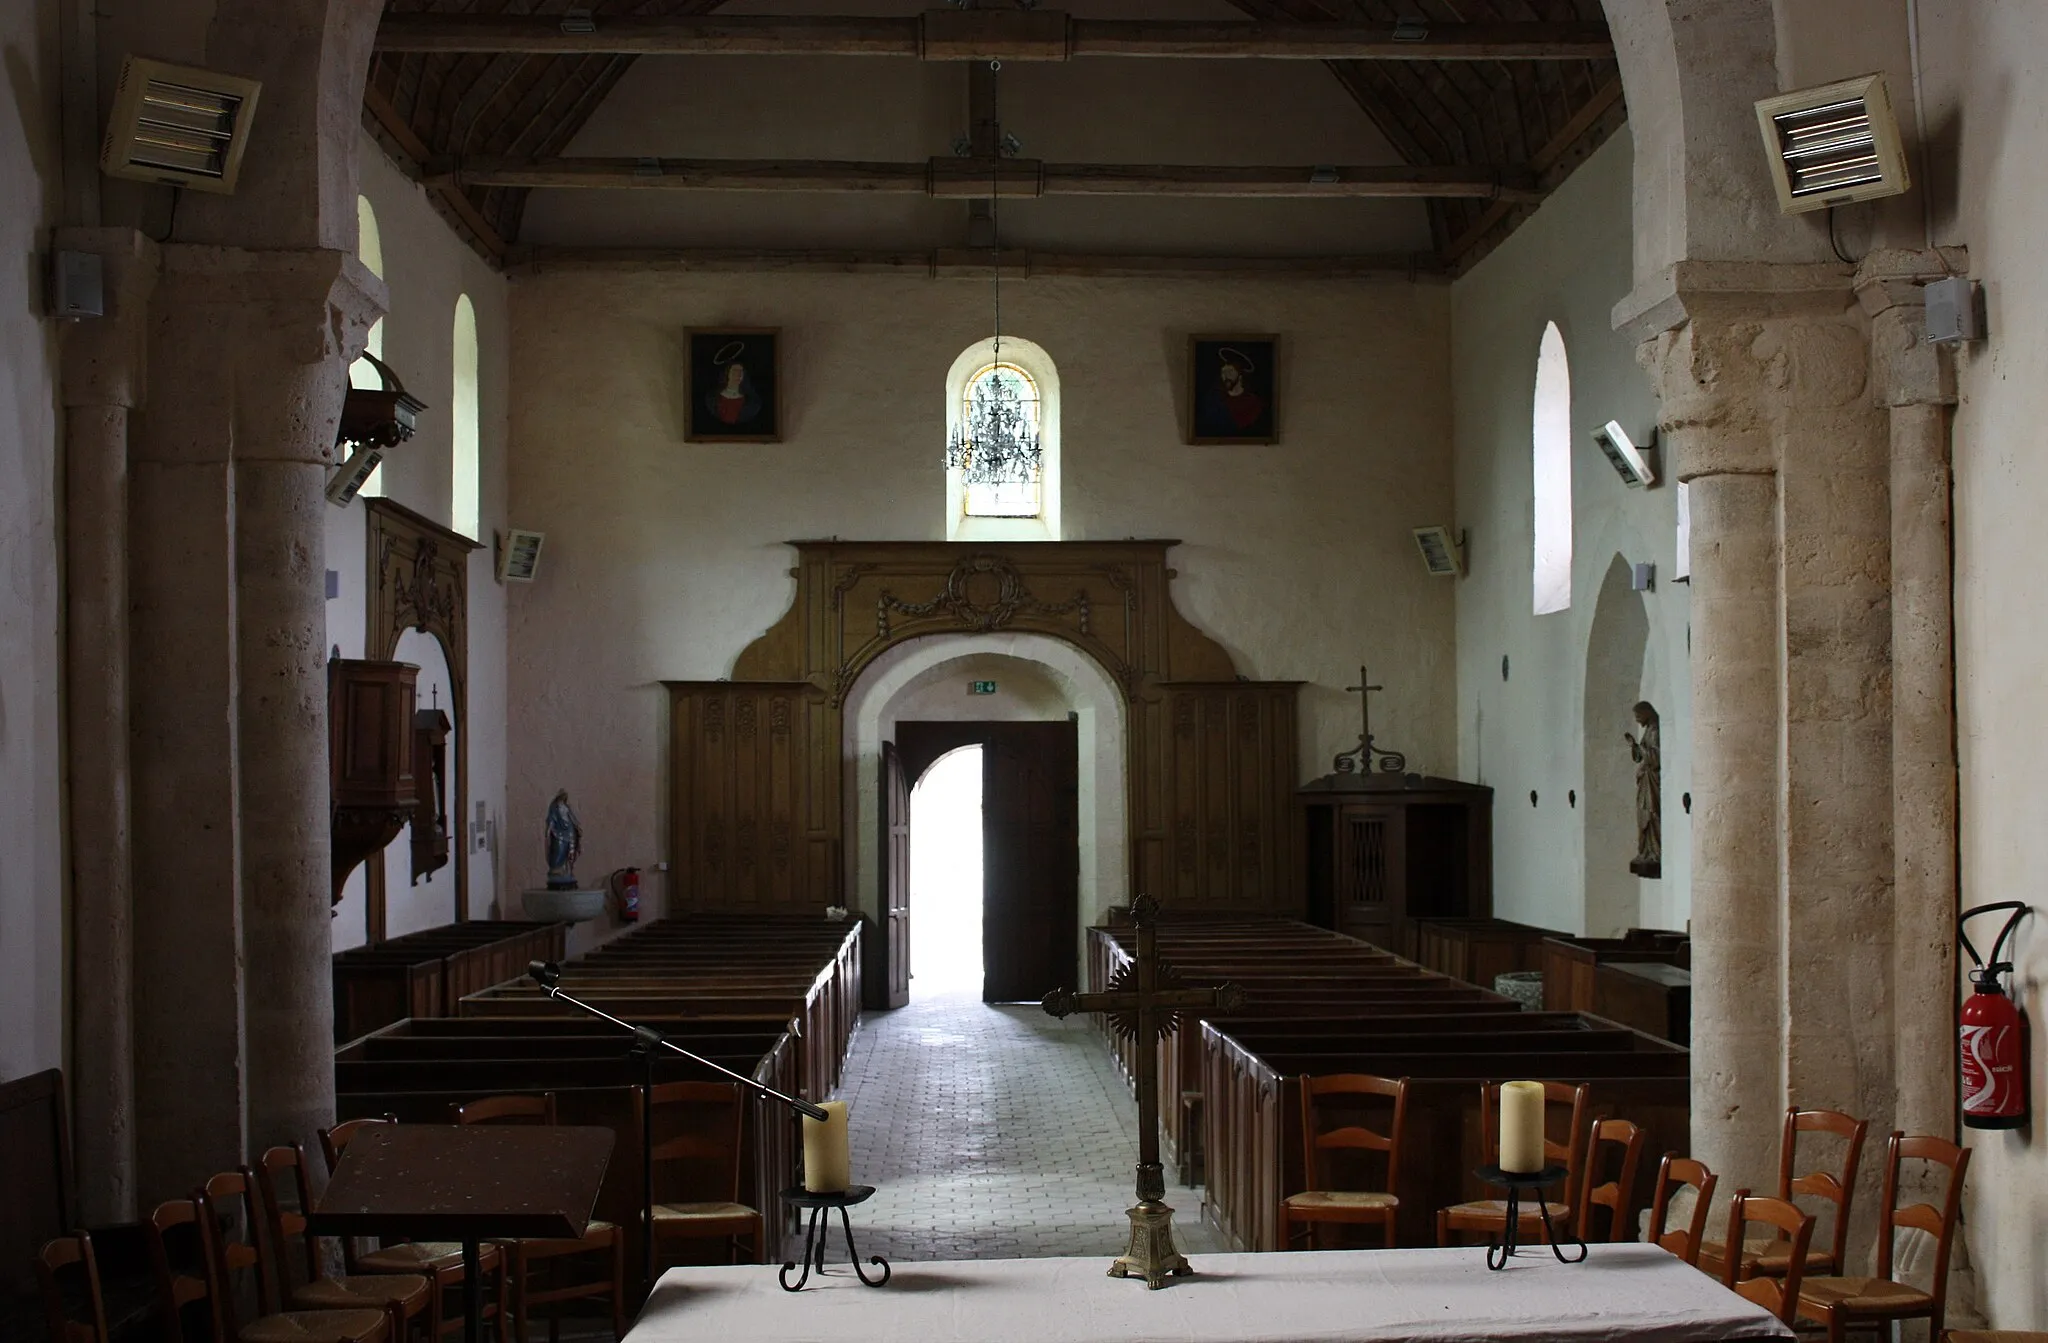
pixel 1151 1254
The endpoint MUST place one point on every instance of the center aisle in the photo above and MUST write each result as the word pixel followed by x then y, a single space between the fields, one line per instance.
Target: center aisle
pixel 994 1132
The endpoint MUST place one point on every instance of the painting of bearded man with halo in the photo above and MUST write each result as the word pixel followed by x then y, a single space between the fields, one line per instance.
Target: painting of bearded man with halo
pixel 1233 389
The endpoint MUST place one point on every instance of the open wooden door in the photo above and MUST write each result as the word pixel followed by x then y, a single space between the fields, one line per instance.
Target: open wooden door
pixel 895 875
pixel 1030 860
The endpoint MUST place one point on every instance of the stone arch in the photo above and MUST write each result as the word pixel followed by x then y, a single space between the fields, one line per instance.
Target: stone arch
pixel 1617 646
pixel 1090 692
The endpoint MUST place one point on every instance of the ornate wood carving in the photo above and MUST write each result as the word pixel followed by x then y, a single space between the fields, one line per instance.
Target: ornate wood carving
pixel 1212 759
pixel 418 579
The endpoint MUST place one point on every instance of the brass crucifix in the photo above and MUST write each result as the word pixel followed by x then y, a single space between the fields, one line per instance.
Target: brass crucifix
pixel 1143 1004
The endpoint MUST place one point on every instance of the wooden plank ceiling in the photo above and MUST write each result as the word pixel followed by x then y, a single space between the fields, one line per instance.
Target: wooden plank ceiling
pixel 1533 120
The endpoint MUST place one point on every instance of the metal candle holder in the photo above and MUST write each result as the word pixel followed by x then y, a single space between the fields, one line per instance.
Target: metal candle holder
pixel 819 1230
pixel 1501 1248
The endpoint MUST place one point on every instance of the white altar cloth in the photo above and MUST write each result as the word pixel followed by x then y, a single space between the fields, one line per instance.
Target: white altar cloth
pixel 1622 1292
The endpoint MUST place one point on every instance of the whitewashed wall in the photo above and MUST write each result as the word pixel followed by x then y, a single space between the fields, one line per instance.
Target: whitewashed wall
pixel 664 559
pixel 1987 116
pixel 426 267
pixel 33 898
pixel 1530 732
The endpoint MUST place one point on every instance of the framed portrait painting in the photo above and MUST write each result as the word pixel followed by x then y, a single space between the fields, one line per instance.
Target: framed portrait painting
pixel 1233 389
pixel 735 386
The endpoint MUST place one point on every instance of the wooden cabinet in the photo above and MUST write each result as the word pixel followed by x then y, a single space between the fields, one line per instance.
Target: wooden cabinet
pixel 1387 850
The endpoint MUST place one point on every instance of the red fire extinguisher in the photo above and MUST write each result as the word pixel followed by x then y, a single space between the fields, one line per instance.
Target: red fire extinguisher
pixel 625 885
pixel 1993 1033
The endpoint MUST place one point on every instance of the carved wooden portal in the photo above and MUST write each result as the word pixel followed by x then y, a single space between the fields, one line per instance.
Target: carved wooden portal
pixel 419 580
pixel 758 815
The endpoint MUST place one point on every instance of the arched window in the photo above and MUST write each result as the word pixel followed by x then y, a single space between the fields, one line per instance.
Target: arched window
pixel 1021 385
pixel 465 508
pixel 370 251
pixel 1003 391
pixel 1551 459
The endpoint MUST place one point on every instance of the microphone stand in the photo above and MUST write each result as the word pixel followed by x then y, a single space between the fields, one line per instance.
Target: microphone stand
pixel 646 1040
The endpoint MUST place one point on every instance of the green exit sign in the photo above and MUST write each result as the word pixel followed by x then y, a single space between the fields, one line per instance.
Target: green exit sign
pixel 981 687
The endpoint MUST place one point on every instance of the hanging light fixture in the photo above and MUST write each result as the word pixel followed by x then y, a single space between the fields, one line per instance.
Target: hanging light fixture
pixel 995 441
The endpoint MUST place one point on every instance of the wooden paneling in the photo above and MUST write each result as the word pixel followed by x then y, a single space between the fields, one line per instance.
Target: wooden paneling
pixel 758 817
pixel 746 831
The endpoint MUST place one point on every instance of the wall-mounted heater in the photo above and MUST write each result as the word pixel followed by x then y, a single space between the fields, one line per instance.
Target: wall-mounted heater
pixel 1833 145
pixel 179 126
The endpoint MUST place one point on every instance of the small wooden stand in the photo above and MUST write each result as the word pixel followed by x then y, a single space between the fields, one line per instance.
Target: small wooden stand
pixel 472 1184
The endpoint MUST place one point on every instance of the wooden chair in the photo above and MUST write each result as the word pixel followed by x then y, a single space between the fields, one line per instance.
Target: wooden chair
pixel 1767 1255
pixel 1672 1171
pixel 1616 1195
pixel 439 1261
pixel 1780 1296
pixel 1321 1203
pixel 1490 1216
pixel 1841 1303
pixel 178 1290
pixel 713 1144
pixel 407 1296
pixel 604 1238
pixel 58 1255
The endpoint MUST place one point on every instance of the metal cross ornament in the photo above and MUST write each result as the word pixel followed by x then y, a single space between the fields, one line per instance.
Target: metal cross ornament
pixel 1367 755
pixel 1143 1004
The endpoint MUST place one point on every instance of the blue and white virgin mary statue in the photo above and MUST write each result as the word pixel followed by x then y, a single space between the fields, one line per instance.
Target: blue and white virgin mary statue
pixel 565 842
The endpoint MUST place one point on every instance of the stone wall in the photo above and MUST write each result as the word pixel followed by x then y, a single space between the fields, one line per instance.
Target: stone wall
pixel 1543 728
pixel 664 559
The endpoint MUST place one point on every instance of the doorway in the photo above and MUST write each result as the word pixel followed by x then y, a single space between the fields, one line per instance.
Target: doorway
pixel 1027 851
pixel 946 877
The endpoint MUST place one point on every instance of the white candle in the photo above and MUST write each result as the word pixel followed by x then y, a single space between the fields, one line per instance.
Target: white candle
pixel 1521 1127
pixel 828 1157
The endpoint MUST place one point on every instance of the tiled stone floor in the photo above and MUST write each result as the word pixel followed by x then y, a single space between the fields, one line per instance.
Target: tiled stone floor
pixel 993 1132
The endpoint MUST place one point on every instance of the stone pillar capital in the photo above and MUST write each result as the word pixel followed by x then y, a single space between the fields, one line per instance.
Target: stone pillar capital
pixel 1890 285
pixel 1740 353
pixel 262 341
pixel 103 362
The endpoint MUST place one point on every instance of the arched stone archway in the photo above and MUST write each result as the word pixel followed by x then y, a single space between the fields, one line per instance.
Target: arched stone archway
pixel 1092 695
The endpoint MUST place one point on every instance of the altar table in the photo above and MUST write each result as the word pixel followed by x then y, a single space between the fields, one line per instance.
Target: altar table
pixel 1622 1292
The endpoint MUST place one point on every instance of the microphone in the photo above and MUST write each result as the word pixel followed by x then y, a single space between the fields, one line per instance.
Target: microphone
pixel 545 973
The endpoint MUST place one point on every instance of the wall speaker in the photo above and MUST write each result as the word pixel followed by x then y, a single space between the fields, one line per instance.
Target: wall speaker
pixel 179 126
pixel 519 555
pixel 1442 554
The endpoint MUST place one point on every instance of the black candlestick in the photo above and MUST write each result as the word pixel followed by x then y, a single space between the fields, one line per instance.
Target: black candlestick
pixel 819 1231
pixel 1501 1248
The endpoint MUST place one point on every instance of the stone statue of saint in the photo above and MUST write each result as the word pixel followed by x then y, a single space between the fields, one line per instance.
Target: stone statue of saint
pixel 1649 758
pixel 565 842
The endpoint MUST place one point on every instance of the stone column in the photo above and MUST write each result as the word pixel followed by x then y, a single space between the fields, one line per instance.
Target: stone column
pixel 250 353
pixel 1762 373
pixel 1915 382
pixel 103 382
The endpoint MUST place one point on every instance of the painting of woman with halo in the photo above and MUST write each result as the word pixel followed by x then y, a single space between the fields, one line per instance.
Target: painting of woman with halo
pixel 732 387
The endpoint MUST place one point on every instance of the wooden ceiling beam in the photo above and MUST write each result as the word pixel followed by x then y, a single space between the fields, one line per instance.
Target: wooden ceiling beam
pixel 452 198
pixel 968 178
pixel 947 263
pixel 1546 157
pixel 957 35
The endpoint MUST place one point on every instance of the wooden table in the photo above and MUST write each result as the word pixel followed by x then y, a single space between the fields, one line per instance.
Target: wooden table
pixel 1638 1293
pixel 468 1183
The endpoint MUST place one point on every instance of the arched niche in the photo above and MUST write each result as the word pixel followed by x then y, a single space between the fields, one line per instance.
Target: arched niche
pixel 1616 651
pixel 418 579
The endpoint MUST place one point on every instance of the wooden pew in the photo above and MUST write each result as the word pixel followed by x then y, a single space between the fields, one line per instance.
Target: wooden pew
pixel 425 974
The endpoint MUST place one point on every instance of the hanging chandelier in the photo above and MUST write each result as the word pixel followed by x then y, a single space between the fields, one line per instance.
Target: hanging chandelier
pixel 995 441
